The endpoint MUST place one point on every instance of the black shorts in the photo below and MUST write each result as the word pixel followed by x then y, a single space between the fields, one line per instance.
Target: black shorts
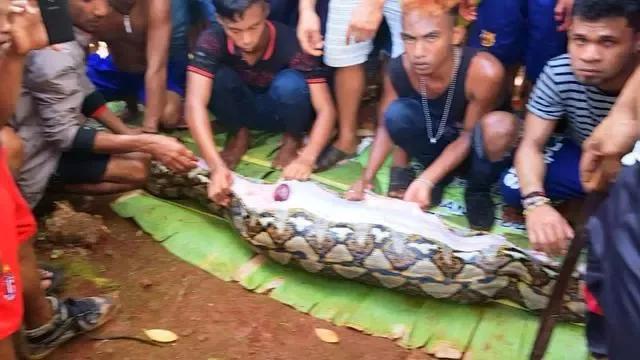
pixel 81 167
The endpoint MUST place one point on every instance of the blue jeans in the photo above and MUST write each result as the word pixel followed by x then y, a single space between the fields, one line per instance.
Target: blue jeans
pixel 185 13
pixel 284 107
pixel 562 181
pixel 612 269
pixel 405 123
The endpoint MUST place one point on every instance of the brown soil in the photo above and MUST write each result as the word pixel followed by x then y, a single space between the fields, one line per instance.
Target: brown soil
pixel 214 319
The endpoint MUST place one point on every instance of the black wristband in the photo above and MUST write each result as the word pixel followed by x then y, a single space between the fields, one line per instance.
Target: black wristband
pixel 534 194
pixel 85 139
pixel 92 103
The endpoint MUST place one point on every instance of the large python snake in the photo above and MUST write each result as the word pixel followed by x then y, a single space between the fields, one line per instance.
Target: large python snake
pixel 380 241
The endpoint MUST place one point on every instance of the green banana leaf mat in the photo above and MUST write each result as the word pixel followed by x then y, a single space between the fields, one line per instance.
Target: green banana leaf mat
pixel 491 331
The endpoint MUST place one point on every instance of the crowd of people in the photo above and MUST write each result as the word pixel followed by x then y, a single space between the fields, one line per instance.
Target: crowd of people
pixel 297 68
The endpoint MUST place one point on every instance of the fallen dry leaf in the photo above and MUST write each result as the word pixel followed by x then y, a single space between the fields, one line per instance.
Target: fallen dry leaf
pixel 328 336
pixel 445 350
pixel 161 335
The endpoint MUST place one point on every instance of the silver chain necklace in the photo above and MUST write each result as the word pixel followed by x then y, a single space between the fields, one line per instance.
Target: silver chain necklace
pixel 447 107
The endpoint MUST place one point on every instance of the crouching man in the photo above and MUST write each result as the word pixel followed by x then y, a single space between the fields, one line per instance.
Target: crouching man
pixel 56 100
pixel 252 74
pixel 444 114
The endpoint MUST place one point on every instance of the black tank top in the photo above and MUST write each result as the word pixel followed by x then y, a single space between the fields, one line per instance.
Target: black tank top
pixel 124 6
pixel 403 87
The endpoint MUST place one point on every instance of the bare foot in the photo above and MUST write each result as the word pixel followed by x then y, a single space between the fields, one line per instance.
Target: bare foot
pixel 288 152
pixel 235 147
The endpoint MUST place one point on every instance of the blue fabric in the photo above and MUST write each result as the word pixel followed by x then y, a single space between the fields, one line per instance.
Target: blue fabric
pixel 406 125
pixel 518 31
pixel 562 180
pixel 284 107
pixel 286 12
pixel 544 41
pixel 117 85
pixel 504 19
pixel 613 269
pixel 81 167
pixel 185 13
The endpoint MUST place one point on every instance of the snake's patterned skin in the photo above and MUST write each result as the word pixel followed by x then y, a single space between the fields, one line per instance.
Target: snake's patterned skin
pixel 379 255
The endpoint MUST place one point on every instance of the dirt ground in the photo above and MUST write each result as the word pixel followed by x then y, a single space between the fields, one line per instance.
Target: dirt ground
pixel 214 319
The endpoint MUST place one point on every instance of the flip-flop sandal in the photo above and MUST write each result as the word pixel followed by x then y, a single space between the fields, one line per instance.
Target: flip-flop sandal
pixel 399 180
pixel 56 278
pixel 330 157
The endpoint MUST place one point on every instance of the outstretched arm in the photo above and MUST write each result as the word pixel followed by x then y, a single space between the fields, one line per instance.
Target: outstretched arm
pixel 380 149
pixel 548 231
pixel 529 160
pixel 382 143
pixel 169 151
pixel 198 95
pixel 324 123
pixel 613 138
pixel 155 79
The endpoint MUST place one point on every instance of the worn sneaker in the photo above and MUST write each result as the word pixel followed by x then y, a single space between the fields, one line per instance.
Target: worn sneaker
pixel 480 210
pixel 70 318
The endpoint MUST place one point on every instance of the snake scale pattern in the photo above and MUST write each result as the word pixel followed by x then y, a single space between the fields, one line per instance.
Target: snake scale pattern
pixel 376 253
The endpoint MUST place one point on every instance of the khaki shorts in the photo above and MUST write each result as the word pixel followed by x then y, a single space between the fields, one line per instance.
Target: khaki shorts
pixel 336 51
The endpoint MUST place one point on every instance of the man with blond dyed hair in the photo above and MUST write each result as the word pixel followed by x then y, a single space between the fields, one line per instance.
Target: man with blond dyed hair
pixel 444 113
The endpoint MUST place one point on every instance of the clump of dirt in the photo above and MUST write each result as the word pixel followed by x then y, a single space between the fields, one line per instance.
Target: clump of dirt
pixel 66 226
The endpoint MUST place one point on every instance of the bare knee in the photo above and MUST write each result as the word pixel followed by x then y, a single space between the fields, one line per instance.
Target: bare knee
pixel 172 112
pixel 130 169
pixel 14 147
pixel 500 133
pixel 140 170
